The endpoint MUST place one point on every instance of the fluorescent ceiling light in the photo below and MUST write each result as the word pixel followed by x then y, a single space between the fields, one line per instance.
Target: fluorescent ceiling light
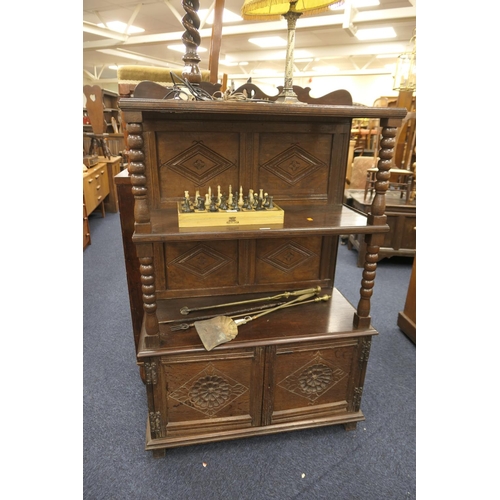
pixel 268 42
pixel 182 49
pixel 325 69
pixel 375 33
pixel 139 57
pixel 120 27
pixel 227 16
pixel 232 63
pixel 113 66
pixel 356 3
pixel 264 71
pixel 386 56
pixel 301 54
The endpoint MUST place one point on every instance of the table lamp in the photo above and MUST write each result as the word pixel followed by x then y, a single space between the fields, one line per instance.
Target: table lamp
pixel 271 10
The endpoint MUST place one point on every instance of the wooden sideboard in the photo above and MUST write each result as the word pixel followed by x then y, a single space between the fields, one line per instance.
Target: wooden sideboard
pixel 296 368
pixel 401 240
pixel 95 187
pixel 99 190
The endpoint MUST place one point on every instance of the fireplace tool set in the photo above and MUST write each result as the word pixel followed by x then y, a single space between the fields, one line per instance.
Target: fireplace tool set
pixel 216 330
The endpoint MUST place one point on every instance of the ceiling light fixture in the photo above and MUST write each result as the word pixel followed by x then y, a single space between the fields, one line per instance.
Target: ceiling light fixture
pixel 291 10
pixel 375 33
pixel 325 69
pixel 181 48
pixel 120 27
pixel 264 71
pixel 268 42
pixel 227 16
pixel 405 77
pixel 356 3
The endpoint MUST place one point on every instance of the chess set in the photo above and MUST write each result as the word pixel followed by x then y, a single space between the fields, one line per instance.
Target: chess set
pixel 221 209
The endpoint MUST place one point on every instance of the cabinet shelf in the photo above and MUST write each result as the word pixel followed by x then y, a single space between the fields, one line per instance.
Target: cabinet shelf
pixel 332 320
pixel 301 220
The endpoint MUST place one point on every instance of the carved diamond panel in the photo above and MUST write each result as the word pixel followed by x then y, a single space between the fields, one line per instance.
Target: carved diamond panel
pixel 313 379
pixel 209 391
pixel 201 261
pixel 198 163
pixel 288 256
pixel 293 164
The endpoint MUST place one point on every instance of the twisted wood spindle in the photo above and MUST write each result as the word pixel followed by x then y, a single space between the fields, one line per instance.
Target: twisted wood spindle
pixel 137 171
pixel 376 217
pixel 191 39
pixel 146 269
pixel 387 144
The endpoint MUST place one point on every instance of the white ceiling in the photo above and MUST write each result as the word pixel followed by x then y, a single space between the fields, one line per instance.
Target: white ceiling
pixel 326 37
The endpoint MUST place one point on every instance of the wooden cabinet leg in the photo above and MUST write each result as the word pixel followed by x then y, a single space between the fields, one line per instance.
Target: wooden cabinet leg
pixel 350 426
pixel 160 453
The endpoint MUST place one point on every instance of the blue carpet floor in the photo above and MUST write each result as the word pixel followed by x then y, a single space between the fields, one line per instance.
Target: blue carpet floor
pixel 375 462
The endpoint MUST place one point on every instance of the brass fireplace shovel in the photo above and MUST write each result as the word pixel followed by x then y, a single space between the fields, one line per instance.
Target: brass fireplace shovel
pixel 222 329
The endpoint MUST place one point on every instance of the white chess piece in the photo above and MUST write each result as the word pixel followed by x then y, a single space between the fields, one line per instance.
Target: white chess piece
pixel 240 198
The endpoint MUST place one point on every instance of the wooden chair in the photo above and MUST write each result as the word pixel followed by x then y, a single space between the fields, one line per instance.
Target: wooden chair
pixel 402 177
pixel 95 111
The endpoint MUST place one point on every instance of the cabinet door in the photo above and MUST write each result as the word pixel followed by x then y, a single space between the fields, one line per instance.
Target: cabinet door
pixel 206 393
pixel 314 380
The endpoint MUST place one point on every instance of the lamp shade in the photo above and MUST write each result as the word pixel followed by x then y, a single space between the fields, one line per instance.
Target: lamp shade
pixel 269 10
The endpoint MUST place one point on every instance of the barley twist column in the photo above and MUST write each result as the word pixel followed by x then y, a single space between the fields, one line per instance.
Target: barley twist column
pixel 137 171
pixel 191 39
pixel 376 217
pixel 146 269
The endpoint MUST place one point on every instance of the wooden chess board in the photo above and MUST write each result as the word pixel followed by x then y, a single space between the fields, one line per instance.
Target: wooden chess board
pixel 275 215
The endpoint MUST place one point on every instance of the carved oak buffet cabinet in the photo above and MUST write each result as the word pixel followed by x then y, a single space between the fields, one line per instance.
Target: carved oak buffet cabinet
pixel 296 368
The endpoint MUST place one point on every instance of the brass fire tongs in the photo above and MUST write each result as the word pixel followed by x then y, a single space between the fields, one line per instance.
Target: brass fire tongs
pixel 221 329
pixel 184 326
pixel 284 295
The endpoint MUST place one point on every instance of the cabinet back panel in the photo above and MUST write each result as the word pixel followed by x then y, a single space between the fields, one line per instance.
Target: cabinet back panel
pixel 288 260
pixel 293 164
pixel 225 267
pixel 201 264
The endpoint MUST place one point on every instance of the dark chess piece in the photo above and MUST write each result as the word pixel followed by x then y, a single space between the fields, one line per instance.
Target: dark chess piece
pixel 270 204
pixel 223 203
pixel 246 203
pixel 186 206
pixel 213 206
pixel 201 204
pixel 259 204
